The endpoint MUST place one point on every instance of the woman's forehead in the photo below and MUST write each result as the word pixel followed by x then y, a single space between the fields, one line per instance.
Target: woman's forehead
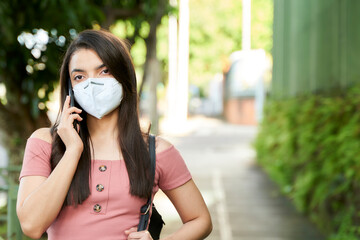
pixel 85 59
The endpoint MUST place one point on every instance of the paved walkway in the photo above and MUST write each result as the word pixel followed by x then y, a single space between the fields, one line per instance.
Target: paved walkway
pixel 243 202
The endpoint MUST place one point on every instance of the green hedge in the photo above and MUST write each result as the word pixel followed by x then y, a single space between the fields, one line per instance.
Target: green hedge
pixel 310 146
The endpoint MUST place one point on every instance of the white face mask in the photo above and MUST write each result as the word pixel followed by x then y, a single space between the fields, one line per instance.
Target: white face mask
pixel 98 96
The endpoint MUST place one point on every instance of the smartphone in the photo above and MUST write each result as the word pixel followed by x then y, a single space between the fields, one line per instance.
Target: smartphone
pixel 72 104
pixel 71 94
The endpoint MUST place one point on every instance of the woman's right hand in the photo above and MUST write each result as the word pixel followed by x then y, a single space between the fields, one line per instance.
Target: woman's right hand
pixel 66 129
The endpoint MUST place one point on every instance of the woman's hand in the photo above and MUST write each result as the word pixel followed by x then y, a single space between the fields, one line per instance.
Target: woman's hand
pixel 133 234
pixel 66 129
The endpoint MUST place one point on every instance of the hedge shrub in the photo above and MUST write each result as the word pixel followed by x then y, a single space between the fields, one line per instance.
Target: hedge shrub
pixel 310 146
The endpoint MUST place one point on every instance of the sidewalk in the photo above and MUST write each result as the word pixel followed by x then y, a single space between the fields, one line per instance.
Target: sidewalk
pixel 243 202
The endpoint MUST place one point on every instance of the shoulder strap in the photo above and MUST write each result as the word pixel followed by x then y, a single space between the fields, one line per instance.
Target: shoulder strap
pixel 145 209
pixel 152 156
pixel 152 163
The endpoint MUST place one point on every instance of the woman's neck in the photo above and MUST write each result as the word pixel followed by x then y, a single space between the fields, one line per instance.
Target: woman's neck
pixel 104 128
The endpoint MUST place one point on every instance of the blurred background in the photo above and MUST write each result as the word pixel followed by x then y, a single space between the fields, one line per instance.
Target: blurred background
pixel 261 97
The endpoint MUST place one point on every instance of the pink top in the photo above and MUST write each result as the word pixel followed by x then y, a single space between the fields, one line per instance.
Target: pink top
pixel 119 210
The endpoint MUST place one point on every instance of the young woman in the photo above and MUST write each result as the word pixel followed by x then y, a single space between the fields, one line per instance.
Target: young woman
pixel 90 180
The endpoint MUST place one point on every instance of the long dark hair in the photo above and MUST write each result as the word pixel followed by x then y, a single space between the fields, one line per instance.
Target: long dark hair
pixel 115 55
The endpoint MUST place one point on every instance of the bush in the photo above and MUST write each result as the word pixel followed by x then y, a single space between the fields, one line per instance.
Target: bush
pixel 310 146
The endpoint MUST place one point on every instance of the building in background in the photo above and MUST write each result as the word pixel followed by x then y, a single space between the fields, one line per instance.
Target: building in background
pixel 244 91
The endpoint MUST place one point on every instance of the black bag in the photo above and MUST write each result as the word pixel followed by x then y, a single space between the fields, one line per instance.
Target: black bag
pixel 156 221
pixel 156 224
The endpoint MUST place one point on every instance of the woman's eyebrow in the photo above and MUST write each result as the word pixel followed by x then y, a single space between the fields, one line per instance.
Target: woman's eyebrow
pixel 101 66
pixel 81 70
pixel 77 70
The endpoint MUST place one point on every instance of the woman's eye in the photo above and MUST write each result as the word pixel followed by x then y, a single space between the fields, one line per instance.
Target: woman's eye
pixel 105 71
pixel 78 77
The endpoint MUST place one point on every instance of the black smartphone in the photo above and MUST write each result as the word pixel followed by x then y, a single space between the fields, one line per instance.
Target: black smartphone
pixel 71 94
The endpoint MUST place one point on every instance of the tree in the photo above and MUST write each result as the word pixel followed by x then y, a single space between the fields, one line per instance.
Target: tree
pixel 151 13
pixel 33 37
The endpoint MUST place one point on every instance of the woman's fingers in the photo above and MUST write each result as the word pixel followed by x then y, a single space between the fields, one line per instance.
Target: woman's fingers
pixel 73 109
pixel 73 117
pixel 69 113
pixel 143 235
pixel 68 109
pixel 68 134
pixel 78 128
pixel 133 229
pixel 66 103
pixel 133 234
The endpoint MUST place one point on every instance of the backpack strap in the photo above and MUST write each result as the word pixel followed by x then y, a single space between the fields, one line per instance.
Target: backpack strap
pixel 145 209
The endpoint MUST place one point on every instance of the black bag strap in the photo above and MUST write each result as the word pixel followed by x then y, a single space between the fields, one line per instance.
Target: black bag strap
pixel 152 157
pixel 145 209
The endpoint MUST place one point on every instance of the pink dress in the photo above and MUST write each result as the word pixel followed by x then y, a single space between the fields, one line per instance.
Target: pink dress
pixel 110 209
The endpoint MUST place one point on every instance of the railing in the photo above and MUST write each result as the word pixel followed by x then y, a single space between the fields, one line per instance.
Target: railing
pixel 13 225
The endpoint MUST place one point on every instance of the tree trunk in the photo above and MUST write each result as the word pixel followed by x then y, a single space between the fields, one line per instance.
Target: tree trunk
pixel 151 76
pixel 152 68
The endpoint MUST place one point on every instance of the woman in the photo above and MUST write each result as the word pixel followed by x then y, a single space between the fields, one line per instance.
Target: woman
pixel 88 176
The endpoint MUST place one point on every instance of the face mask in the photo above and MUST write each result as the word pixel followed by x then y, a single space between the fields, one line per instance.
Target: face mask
pixel 98 96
